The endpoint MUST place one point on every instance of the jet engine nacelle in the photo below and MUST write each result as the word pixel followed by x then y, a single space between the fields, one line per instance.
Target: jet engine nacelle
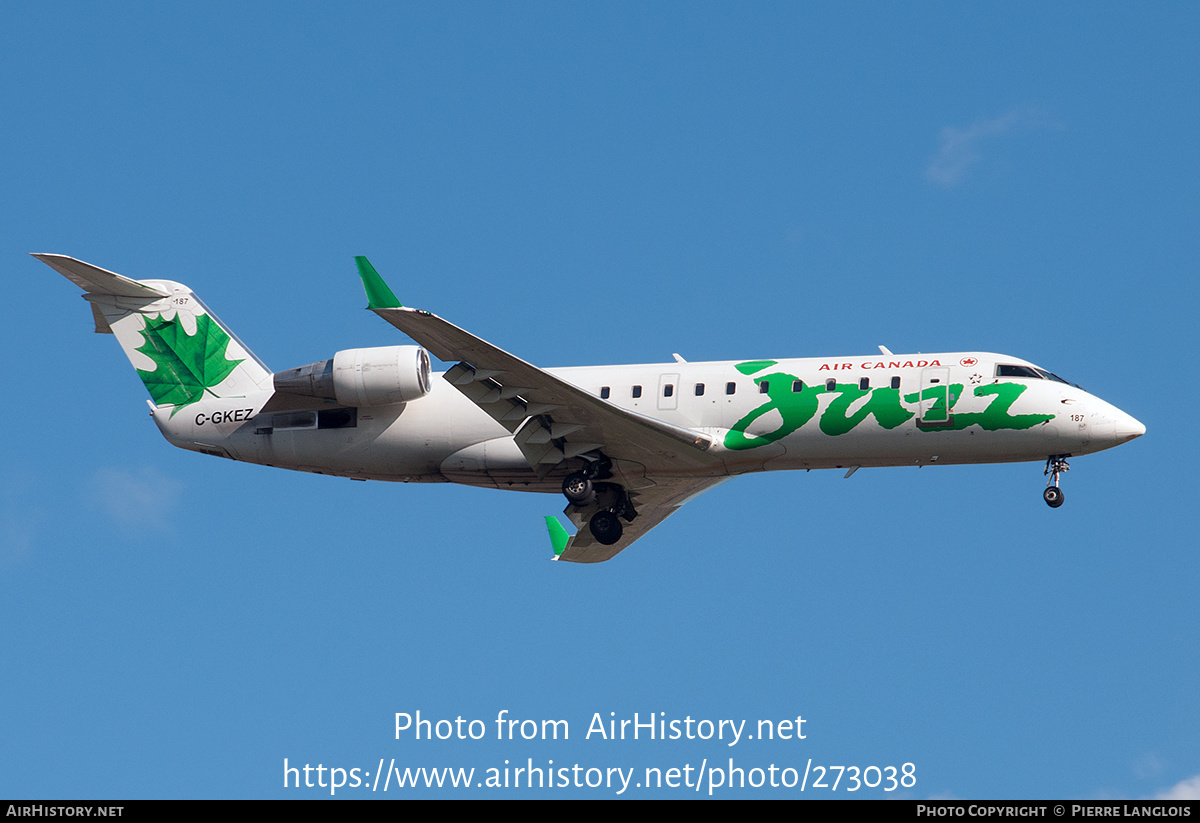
pixel 380 376
pixel 377 376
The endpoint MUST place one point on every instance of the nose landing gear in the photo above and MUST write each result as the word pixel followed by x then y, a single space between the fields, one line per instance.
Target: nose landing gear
pixel 1055 465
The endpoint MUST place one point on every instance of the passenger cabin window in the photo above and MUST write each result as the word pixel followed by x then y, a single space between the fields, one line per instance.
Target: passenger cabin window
pixel 668 390
pixel 604 392
pixel 764 387
pixel 699 389
pixel 637 392
pixel 864 383
pixel 831 384
pixel 730 388
pixel 797 386
pixel 1016 371
pixel 895 382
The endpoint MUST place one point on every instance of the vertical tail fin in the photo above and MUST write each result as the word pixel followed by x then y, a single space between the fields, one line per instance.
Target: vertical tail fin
pixel 180 349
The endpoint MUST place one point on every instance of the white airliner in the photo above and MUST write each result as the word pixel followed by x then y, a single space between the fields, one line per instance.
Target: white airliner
pixel 626 445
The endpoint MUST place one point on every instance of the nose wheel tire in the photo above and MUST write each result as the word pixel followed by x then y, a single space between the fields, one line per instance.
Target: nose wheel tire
pixel 1056 464
pixel 605 527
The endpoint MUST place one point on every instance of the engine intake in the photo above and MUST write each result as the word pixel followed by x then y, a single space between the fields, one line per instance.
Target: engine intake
pixel 377 376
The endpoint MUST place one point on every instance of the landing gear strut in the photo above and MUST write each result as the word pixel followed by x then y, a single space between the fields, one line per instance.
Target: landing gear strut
pixel 1053 495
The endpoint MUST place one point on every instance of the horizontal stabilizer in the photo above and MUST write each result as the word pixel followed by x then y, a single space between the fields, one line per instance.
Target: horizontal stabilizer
pixel 182 352
pixel 95 280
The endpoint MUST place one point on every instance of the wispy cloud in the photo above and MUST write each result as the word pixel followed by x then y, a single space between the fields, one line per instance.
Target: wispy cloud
pixel 21 523
pixel 960 147
pixel 1188 789
pixel 135 498
pixel 1148 765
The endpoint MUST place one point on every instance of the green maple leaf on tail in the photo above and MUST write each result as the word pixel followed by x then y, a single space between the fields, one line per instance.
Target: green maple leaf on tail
pixel 186 365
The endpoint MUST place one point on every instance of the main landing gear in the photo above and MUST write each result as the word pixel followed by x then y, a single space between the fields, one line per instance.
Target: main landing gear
pixel 582 491
pixel 606 527
pixel 579 489
pixel 1055 465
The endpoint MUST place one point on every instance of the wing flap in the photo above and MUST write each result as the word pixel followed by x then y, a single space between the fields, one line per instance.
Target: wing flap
pixel 507 407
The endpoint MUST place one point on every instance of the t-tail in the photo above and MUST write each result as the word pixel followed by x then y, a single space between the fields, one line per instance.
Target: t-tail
pixel 195 368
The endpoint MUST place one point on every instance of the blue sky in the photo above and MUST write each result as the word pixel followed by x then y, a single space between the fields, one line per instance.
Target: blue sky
pixel 602 184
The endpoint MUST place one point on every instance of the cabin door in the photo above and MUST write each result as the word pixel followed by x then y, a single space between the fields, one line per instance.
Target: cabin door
pixel 668 392
pixel 935 401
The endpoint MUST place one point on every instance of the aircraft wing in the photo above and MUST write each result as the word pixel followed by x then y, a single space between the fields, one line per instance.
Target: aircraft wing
pixel 660 465
pixel 551 419
pixel 654 505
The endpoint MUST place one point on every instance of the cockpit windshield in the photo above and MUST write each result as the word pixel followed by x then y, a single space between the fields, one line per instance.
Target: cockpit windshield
pixel 1012 370
pixel 1017 371
pixel 1055 377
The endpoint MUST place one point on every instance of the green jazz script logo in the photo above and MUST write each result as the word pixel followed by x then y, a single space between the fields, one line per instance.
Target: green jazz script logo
pixel 797 403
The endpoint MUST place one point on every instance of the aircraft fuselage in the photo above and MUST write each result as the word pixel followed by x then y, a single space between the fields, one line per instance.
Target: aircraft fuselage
pixel 810 413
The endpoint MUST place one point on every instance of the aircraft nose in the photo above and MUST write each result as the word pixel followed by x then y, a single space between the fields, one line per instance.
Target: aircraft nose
pixel 1108 426
pixel 1128 427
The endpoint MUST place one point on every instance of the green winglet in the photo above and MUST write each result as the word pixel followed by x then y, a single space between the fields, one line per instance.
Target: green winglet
pixel 379 296
pixel 558 535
